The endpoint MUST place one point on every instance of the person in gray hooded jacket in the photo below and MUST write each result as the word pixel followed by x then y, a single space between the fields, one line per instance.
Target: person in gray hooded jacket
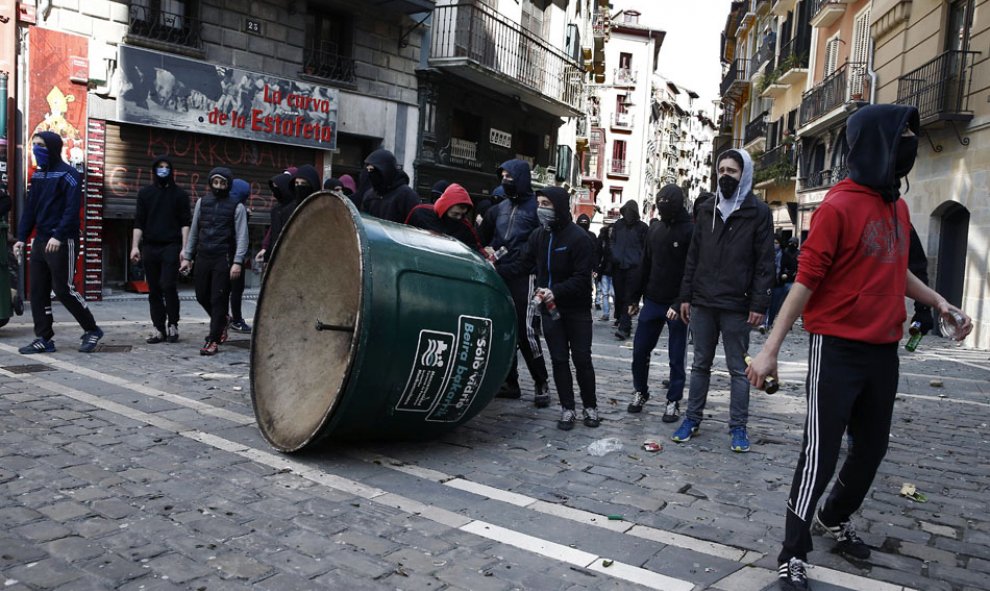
pixel 218 243
pixel 726 290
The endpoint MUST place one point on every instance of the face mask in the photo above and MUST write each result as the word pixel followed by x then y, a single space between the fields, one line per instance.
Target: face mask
pixel 585 225
pixel 40 155
pixel 163 172
pixel 220 193
pixel 377 181
pixel 303 191
pixel 666 209
pixel 907 151
pixel 510 188
pixel 728 185
pixel 547 215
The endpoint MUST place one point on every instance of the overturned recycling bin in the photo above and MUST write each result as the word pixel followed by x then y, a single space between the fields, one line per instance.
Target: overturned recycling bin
pixel 366 329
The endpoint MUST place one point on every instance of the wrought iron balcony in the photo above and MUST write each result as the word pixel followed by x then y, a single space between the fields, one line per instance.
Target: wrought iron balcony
pixel 940 88
pixel 482 46
pixel 622 120
pixel 825 178
pixel 624 77
pixel 825 12
pixel 463 149
pixel 793 54
pixel 324 62
pixel 165 27
pixel 849 82
pixel 776 164
pixel 619 167
pixel 763 55
pixel 736 79
pixel 755 129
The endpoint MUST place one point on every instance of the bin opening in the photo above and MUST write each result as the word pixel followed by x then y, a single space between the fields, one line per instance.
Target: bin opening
pixel 306 323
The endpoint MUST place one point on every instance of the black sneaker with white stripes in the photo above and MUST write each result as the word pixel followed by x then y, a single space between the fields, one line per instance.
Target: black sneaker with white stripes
pixel 792 575
pixel 848 542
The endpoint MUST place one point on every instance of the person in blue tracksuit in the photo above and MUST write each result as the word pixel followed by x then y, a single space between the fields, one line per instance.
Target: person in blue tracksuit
pixel 52 213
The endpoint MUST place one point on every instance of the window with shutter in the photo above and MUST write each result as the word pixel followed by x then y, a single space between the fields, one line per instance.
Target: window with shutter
pixel 831 56
pixel 861 37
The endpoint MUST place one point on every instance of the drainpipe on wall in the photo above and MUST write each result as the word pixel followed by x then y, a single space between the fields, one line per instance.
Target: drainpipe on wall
pixel 873 75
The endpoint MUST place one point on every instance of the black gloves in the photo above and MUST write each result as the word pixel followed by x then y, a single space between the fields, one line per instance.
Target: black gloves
pixel 923 314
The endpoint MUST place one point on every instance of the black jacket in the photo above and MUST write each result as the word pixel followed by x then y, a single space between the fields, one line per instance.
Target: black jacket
pixel 390 196
pixel 788 265
pixel 604 258
pixel 663 260
pixel 628 238
pixel 730 266
pixel 162 209
pixel 285 204
pixel 562 255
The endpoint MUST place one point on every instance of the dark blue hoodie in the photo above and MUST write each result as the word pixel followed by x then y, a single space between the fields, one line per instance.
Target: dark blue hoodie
pixel 54 199
pixel 511 221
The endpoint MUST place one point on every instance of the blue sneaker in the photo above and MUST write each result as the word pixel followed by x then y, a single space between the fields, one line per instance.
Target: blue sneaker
pixel 89 340
pixel 688 428
pixel 740 441
pixel 38 345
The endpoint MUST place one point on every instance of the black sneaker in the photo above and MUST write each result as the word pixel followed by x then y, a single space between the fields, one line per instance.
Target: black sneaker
pixel 38 345
pixel 542 398
pixel 156 337
pixel 621 335
pixel 792 575
pixel 172 334
pixel 508 390
pixel 591 417
pixel 847 542
pixel 567 418
pixel 639 399
pixel 89 340
pixel 240 326
pixel 671 413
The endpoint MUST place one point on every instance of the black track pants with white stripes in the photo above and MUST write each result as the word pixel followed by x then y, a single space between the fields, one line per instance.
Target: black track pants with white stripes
pixel 54 271
pixel 851 385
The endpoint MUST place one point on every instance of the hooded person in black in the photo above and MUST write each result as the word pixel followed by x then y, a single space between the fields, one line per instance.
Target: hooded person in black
pixel 504 231
pixel 52 212
pixel 563 256
pixel 161 226
pixel 282 189
pixel 390 197
pixel 852 280
pixel 628 239
pixel 726 290
pixel 218 243
pixel 660 279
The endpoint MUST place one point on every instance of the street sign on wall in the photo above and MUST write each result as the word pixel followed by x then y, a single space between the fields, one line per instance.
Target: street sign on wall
pixel 178 93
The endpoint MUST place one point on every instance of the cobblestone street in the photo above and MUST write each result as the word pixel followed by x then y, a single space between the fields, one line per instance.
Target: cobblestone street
pixel 143 469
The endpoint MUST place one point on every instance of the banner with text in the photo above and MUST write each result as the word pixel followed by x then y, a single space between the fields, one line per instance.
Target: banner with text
pixel 184 94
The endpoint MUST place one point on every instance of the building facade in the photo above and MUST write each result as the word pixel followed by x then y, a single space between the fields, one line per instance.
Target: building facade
pixel 253 85
pixel 494 85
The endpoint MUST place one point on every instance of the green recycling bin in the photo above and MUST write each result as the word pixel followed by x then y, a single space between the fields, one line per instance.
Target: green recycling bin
pixel 366 329
pixel 6 310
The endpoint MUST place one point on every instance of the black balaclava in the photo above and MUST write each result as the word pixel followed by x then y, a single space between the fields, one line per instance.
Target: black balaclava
pixel 584 221
pixel 670 201
pixel 879 156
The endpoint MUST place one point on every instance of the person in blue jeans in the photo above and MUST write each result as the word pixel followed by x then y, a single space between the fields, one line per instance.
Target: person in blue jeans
pixel 726 290
pixel 662 270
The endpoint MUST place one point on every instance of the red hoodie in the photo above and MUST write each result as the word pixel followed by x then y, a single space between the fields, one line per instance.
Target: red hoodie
pixel 855 262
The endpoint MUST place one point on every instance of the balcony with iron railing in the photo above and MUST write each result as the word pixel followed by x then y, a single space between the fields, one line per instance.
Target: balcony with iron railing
pixel 152 27
pixel 764 55
pixel 618 167
pixel 323 60
pixel 480 45
pixel 775 166
pixel 824 178
pixel 736 78
pixel 850 82
pixel 756 130
pixel 624 77
pixel 622 121
pixel 825 12
pixel 940 89
pixel 463 149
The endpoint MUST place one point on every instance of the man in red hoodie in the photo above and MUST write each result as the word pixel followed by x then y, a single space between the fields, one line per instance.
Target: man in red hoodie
pixel 448 216
pixel 852 279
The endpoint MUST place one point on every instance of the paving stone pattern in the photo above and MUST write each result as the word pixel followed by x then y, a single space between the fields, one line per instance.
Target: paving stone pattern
pixel 93 499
